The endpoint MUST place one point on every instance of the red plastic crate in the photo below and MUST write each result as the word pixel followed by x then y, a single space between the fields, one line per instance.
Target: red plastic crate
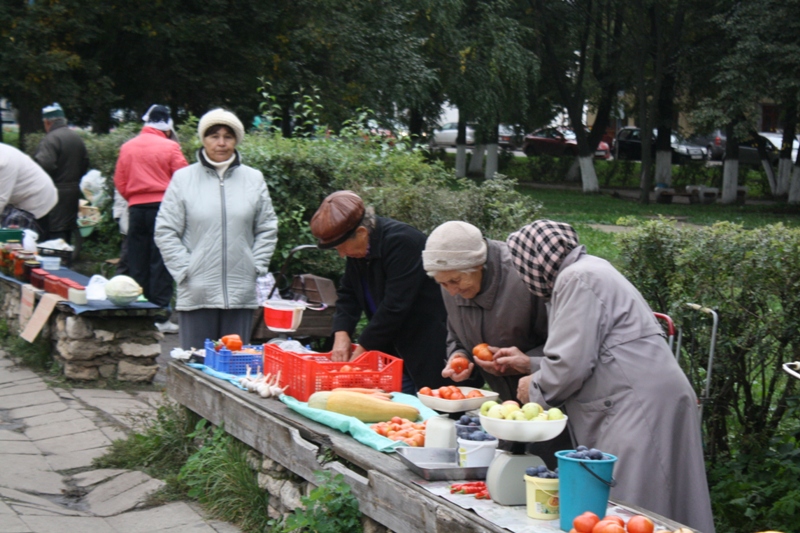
pixel 306 374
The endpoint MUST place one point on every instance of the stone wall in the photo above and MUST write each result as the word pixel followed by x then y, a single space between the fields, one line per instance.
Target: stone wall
pixel 286 488
pixel 86 347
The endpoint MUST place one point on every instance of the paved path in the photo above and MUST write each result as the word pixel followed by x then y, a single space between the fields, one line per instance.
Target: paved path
pixel 48 438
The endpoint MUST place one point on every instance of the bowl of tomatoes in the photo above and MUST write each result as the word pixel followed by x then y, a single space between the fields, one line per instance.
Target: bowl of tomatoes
pixel 453 399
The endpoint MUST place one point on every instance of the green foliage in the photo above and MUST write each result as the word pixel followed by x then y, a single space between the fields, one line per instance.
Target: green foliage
pixel 160 447
pixel 219 476
pixel 329 508
pixel 35 355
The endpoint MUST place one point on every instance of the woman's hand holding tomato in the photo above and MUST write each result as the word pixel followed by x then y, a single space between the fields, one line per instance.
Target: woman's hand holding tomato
pixel 450 371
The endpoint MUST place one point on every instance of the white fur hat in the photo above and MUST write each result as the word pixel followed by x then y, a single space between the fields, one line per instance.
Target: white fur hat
pixel 221 117
pixel 454 245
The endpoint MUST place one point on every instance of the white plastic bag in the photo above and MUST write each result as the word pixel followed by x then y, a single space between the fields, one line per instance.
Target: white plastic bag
pixel 29 240
pixel 93 187
pixel 96 289
pixel 264 285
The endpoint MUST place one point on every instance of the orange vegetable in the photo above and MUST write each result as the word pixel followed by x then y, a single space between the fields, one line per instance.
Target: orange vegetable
pixel 232 342
pixel 482 352
pixel 459 364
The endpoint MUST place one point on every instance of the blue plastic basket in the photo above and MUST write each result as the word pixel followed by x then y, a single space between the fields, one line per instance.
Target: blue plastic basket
pixel 234 363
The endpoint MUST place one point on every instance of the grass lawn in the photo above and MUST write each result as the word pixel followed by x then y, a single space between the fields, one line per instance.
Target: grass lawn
pixel 583 210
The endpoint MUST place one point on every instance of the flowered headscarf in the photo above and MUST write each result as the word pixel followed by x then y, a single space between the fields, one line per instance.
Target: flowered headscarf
pixel 538 250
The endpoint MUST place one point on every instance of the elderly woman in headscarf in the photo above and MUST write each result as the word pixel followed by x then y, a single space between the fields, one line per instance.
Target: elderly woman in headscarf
pixel 606 360
pixel 216 230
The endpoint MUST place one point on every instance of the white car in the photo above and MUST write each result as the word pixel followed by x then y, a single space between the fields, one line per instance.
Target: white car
pixel 445 136
pixel 777 140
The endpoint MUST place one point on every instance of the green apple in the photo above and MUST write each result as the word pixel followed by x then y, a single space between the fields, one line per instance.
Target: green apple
pixel 487 405
pixel 555 414
pixel 509 408
pixel 541 416
pixel 496 411
pixel 531 410
pixel 517 415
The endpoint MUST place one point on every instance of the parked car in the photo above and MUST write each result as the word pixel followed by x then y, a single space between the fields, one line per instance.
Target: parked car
pixel 445 136
pixel 748 151
pixel 776 139
pixel 628 145
pixel 508 138
pixel 714 142
pixel 556 142
pixel 716 147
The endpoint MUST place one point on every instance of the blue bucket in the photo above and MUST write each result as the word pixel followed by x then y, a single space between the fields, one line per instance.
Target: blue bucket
pixel 583 485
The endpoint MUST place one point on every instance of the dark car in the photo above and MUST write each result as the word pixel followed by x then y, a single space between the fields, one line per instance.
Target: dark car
pixel 628 145
pixel 556 142
pixel 508 138
pixel 716 147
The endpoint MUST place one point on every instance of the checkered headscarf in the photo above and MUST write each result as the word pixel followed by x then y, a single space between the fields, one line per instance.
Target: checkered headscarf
pixel 538 250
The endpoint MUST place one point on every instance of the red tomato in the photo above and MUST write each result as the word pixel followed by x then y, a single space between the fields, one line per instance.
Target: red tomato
pixel 458 364
pixel 445 393
pixel 457 395
pixel 346 368
pixel 426 391
pixel 584 523
pixel 482 352
pixel 475 394
pixel 608 526
pixel 616 519
pixel 640 524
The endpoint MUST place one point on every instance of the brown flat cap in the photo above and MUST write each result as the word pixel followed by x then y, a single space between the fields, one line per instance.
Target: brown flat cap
pixel 337 218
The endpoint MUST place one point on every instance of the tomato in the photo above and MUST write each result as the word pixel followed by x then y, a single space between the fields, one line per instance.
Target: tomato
pixel 426 391
pixel 584 523
pixel 608 526
pixel 346 368
pixel 640 524
pixel 475 394
pixel 458 364
pixel 616 519
pixel 482 352
pixel 457 395
pixel 445 393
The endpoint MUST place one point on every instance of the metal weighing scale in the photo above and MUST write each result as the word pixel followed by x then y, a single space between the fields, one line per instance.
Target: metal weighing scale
pixel 505 477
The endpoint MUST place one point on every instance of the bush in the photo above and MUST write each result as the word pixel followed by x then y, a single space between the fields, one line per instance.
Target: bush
pixel 751 278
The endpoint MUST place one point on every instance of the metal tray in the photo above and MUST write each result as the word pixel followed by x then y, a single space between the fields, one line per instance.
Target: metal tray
pixel 437 464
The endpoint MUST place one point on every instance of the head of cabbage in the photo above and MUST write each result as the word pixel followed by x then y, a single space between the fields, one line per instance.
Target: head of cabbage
pixel 122 290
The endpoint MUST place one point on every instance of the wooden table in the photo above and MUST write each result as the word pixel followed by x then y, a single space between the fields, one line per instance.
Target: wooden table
pixel 381 483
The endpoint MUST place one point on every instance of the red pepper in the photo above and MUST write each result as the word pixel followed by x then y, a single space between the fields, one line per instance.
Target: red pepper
pixel 457 487
pixel 483 495
pixel 473 490
pixel 232 342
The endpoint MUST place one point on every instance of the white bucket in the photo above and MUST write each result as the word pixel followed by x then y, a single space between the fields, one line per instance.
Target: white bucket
pixel 440 432
pixel 476 453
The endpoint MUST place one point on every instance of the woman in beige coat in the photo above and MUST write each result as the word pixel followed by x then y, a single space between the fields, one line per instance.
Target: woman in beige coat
pixel 607 362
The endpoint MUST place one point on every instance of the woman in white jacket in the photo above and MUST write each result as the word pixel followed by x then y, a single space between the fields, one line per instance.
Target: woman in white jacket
pixel 216 230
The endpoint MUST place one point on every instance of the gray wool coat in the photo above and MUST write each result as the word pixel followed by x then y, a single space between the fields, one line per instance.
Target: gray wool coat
pixel 504 313
pixel 216 235
pixel 607 361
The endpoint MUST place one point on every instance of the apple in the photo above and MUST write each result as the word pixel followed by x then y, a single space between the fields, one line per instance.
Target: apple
pixel 517 415
pixel 496 411
pixel 541 416
pixel 555 414
pixel 531 410
pixel 509 408
pixel 487 405
pixel 511 402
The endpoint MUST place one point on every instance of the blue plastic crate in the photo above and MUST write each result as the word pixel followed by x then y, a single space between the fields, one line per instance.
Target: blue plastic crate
pixel 231 362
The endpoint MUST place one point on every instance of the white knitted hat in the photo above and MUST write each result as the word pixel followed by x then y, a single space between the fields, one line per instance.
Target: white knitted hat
pixel 454 245
pixel 224 118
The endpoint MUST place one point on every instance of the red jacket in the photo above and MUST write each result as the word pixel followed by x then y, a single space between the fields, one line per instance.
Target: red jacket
pixel 145 166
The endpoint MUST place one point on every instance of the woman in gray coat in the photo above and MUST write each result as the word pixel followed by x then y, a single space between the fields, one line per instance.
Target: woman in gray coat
pixel 607 362
pixel 216 230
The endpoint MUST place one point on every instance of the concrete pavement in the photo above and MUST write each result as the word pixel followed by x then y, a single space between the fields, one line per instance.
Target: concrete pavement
pixel 48 438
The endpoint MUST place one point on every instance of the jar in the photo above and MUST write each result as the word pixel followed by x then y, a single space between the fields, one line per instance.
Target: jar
pixel 7 257
pixel 51 283
pixel 20 258
pixel 28 269
pixel 77 294
pixel 37 277
pixel 63 288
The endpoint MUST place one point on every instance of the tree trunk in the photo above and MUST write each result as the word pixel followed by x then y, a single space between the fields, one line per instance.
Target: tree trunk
pixel 765 163
pixel 588 174
pixel 476 163
pixel 730 178
pixel 30 121
pixel 491 161
pixel 416 121
pixel 461 161
pixel 789 131
pixel 663 175
pixel 794 188
pixel 574 172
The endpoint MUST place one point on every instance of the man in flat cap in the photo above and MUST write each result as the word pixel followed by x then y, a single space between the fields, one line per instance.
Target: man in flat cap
pixel 62 154
pixel 383 278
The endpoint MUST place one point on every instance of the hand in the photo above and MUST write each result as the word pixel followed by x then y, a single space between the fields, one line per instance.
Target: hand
pixel 492 367
pixel 448 372
pixel 512 358
pixel 358 351
pixel 522 389
pixel 341 347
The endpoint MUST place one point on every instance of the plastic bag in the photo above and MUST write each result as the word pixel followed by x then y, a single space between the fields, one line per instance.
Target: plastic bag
pixel 93 187
pixel 29 240
pixel 96 288
pixel 264 285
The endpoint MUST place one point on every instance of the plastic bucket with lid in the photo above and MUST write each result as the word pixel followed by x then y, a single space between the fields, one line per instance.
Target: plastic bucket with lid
pixel 584 485
pixel 283 315
pixel 542 497
pixel 476 453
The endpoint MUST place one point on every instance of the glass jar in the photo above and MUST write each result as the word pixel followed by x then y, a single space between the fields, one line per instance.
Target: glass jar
pixel 20 258
pixel 7 257
pixel 37 277
pixel 28 269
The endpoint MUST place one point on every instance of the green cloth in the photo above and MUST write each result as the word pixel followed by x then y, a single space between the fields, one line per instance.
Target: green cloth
pixel 355 427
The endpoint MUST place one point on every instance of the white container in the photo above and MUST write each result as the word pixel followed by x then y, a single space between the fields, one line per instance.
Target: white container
pixel 283 315
pixel 476 453
pixel 50 263
pixel 440 432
